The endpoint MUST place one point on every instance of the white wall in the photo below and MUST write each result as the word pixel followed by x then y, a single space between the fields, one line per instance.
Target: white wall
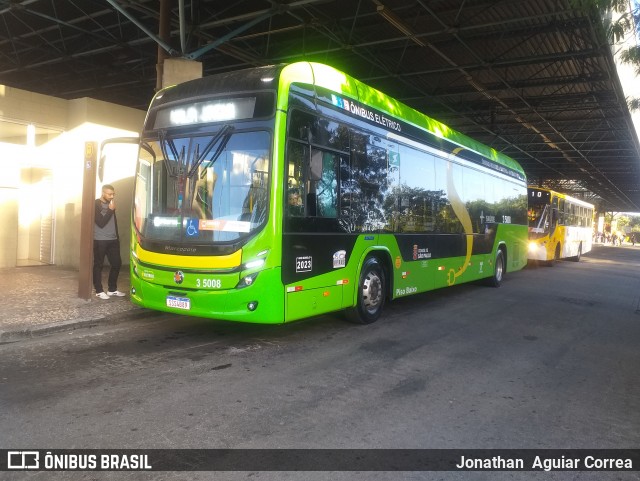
pixel 77 121
pixel 9 195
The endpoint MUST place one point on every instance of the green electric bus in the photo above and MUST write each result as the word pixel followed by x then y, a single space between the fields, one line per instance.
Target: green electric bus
pixel 282 192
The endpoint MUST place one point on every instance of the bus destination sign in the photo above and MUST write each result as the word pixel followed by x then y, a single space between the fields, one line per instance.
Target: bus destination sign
pixel 539 196
pixel 218 110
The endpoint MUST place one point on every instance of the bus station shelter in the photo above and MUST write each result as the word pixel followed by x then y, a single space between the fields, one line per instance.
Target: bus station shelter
pixel 535 80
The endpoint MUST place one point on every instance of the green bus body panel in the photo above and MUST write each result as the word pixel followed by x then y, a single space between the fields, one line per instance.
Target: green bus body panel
pixel 329 292
pixel 335 288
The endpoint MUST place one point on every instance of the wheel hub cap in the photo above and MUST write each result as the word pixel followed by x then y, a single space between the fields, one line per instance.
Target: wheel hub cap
pixel 372 292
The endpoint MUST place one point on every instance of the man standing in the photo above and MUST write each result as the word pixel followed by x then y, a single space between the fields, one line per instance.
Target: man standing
pixel 106 243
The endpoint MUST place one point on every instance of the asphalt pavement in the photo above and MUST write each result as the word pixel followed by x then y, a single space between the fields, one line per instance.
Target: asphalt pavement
pixel 548 361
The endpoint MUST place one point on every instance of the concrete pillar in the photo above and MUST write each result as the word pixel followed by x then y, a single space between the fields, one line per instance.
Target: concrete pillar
pixel 178 70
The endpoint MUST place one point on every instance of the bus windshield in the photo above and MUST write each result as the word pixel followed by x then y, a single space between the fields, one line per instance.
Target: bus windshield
pixel 538 220
pixel 202 189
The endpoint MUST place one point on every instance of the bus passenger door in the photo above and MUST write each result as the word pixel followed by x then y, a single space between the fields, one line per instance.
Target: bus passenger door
pixel 553 221
pixel 117 167
pixel 312 245
pixel 555 234
pixel 554 218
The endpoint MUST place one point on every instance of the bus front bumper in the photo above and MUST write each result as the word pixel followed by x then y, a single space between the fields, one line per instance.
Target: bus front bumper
pixel 537 251
pixel 261 302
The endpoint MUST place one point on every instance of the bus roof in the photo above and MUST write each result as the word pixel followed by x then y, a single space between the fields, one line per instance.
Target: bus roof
pixel 323 75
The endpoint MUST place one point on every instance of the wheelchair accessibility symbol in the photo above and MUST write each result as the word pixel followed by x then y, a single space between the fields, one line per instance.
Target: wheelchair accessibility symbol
pixel 192 228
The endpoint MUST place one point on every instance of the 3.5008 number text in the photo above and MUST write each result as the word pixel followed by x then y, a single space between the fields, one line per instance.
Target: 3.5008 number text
pixel 209 283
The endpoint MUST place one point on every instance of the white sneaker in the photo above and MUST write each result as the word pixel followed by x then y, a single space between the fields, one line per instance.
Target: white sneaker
pixel 115 293
pixel 102 295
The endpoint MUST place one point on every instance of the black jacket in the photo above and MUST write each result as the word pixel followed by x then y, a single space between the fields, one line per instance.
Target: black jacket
pixel 102 220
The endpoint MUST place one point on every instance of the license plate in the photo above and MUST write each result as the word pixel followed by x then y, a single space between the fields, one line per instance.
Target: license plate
pixel 179 302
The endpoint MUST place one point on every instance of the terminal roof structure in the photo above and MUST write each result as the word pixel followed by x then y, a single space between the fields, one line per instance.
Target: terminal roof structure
pixel 533 79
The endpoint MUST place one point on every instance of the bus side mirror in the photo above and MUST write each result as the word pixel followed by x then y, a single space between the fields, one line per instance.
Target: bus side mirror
pixel 116 140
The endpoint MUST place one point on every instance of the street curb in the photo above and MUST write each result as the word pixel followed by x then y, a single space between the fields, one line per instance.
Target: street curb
pixel 31 332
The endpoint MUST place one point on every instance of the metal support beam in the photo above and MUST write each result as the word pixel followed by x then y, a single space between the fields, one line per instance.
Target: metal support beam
pixel 164 32
pixel 230 35
pixel 150 34
pixel 183 42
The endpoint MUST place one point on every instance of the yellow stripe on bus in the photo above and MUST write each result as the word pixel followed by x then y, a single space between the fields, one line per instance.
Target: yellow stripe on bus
pixel 182 261
pixel 462 213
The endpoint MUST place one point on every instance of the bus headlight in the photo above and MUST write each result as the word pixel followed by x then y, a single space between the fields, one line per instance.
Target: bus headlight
pixel 247 280
pixel 258 261
pixel 254 264
pixel 533 246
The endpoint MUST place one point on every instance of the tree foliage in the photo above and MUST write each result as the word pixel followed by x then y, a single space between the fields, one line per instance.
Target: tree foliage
pixel 618 28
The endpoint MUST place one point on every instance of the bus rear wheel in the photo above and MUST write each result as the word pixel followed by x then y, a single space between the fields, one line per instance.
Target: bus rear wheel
pixel 576 258
pixel 371 293
pixel 500 268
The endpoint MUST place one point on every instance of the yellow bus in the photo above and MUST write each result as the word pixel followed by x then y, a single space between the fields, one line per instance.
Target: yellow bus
pixel 560 226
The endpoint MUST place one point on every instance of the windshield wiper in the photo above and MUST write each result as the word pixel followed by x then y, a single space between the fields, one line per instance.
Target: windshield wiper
pixel 225 134
pixel 163 148
pixel 543 217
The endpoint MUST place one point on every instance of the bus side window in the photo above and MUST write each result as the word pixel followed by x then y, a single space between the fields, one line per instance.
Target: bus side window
pixel 561 212
pixel 296 153
pixel 322 197
pixel 312 182
pixel 346 184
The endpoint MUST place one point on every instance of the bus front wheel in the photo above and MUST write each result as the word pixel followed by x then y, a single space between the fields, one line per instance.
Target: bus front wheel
pixel 499 271
pixel 371 293
pixel 556 257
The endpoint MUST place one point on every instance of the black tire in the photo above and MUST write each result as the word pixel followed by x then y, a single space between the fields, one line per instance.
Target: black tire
pixel 556 257
pixel 500 269
pixel 371 293
pixel 577 257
